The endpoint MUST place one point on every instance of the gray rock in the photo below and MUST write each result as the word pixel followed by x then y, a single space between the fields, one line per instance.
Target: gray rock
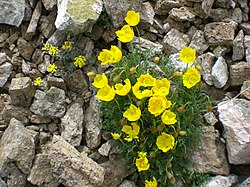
pixel 2 183
pixel 235 117
pixel 198 42
pixel 72 124
pixel 222 4
pixel 206 7
pixel 174 41
pixel 239 73
pixel 238 46
pixel 109 35
pixel 220 73
pixel 182 14
pixel 49 4
pixel 39 119
pixel 147 14
pixel 5 72
pixel 210 118
pixel 221 181
pixel 247 54
pixel 71 167
pixel 77 16
pixel 12 12
pixel 162 7
pixel 243 6
pixel 57 38
pixel 50 103
pixel 209 156
pixel 93 124
pixel 4 58
pixel 25 48
pixel 47 27
pixel 235 15
pixel 219 33
pixel 220 51
pixel 105 148
pixel 245 89
pixel 56 82
pixel 245 27
pixel 127 183
pixel 37 56
pixel 21 91
pixel 219 14
pixel 245 183
pixel 176 63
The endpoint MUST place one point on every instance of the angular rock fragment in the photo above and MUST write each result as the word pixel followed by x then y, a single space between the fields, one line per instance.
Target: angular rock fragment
pixel 163 7
pixel 239 73
pixel 245 89
pixel 220 73
pixel 182 14
pixel 5 72
pixel 198 42
pixel 221 181
pixel 25 48
pixel 238 46
pixel 49 4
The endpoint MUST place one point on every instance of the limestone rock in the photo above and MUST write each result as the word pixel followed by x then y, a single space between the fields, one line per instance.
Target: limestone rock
pixel 117 10
pixel 198 42
pixel 25 48
pixel 245 89
pixel 71 167
pixel 12 12
pixel 50 103
pixel 56 82
pixel 39 119
pixel 182 14
pixel 220 73
pixel 5 72
pixel 147 14
pixel 93 124
pixel 163 7
pixel 210 118
pixel 221 181
pixel 245 27
pixel 238 46
pixel 219 33
pixel 4 58
pixel 247 54
pixel 105 148
pixel 239 73
pixel 235 117
pixel 209 156
pixel 49 4
pixel 245 183
pixel 174 41
pixel 176 63
pixel 206 7
pixel 47 27
pixel 220 51
pixel 77 16
pixel 127 183
pixel 243 6
pixel 72 124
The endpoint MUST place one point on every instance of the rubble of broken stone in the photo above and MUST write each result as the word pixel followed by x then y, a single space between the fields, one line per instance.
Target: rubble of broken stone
pixel 54 136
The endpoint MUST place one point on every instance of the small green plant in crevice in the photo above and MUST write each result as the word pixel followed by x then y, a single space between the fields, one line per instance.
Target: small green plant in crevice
pixel 154 112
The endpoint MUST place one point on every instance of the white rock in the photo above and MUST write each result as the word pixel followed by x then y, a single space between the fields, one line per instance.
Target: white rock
pixel 221 181
pixel 220 73
pixel 176 63
pixel 210 118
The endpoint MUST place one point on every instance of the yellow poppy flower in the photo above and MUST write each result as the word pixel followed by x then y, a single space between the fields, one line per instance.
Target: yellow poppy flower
pixel 106 57
pixel 67 45
pixel 146 80
pixel 157 104
pixel 46 47
pixel 151 183
pixel 79 61
pixel 188 55
pixel 100 80
pixel 106 93
pixel 117 53
pixel 121 89
pixel 132 131
pixel 142 163
pixel 52 68
pixel 165 142
pixel 139 94
pixel 116 136
pixel 132 113
pixel 38 81
pixel 54 51
pixel 191 77
pixel 132 18
pixel 168 117
pixel 126 34
pixel 162 87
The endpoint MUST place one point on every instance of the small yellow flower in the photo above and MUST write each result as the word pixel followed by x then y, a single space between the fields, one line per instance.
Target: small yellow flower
pixel 165 142
pixel 132 131
pixel 54 51
pixel 157 104
pixel 139 94
pixel 52 68
pixel 106 93
pixel 46 47
pixel 151 183
pixel 126 34
pixel 188 55
pixel 116 136
pixel 38 81
pixel 162 87
pixel 91 74
pixel 79 61
pixel 132 18
pixel 191 77
pixel 67 45
pixel 146 80
pixel 132 113
pixel 121 89
pixel 106 57
pixel 168 117
pixel 117 53
pixel 142 163
pixel 100 80
pixel 142 154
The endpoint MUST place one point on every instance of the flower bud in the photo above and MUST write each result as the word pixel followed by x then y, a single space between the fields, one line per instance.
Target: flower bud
pixel 116 78
pixel 132 70
pixel 152 154
pixel 180 109
pixel 123 121
pixel 198 67
pixel 209 108
pixel 175 134
pixel 115 70
pixel 177 74
pixel 200 84
pixel 169 165
pixel 91 74
pixel 172 181
pixel 182 133
pixel 169 175
pixel 156 59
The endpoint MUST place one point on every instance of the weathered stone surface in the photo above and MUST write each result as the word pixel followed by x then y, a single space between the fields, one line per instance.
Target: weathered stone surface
pixel 4 58
pixel 12 12
pixel 147 14
pixel 115 171
pixel 206 61
pixel 37 56
pixel 176 63
pixel 17 146
pixel 47 27
pixel 5 72
pixel 239 73
pixel 245 27
pixel 72 124
pixel 209 156
pixel 220 73
pixel 56 82
pixel 198 42
pixel 219 33
pixel 127 183
pixel 93 124
pixel 77 16
pixel 117 10
pixel 221 181
pixel 210 118
pixel 71 167
pixel 163 7
pixel 105 148
pixel 174 41
pixel 206 7
pixel 220 51
pixel 238 46
pixel 25 48
pixel 182 14
pixel 49 4
pixel 245 183
pixel 50 103
pixel 21 91
pixel 235 117
pixel 247 54
pixel 219 14
pixel 245 89
pixel 222 4
pixel 39 119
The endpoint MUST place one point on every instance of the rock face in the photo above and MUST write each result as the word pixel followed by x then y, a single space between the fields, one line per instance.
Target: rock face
pixel 12 12
pixel 72 168
pixel 77 16
pixel 220 73
pixel 235 117
pixel 17 146
pixel 209 156
pixel 5 72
